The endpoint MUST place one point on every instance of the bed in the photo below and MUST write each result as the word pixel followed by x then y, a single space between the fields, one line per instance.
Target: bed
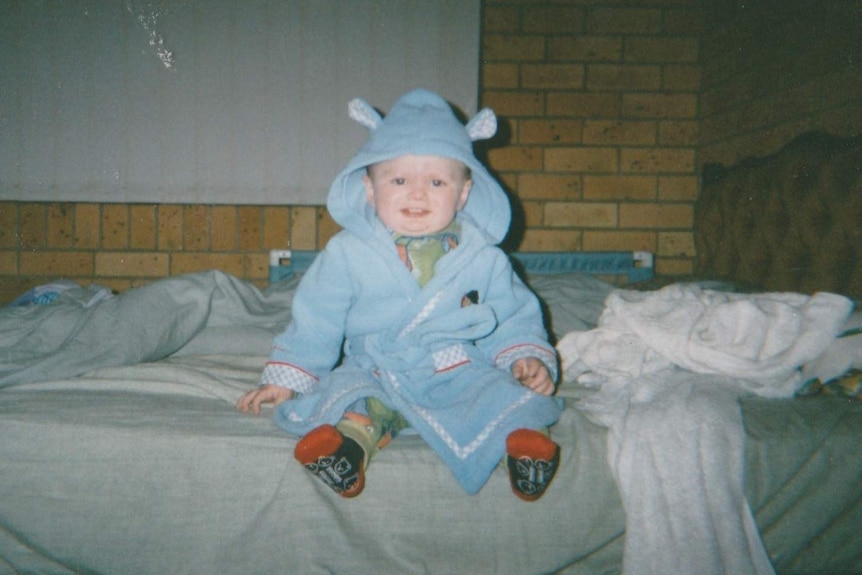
pixel 122 452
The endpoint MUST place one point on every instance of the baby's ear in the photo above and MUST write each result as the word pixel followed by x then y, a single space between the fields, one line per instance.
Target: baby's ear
pixel 369 188
pixel 465 194
pixel 362 112
pixel 483 125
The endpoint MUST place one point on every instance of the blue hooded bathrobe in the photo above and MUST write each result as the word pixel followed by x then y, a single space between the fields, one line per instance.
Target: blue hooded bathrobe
pixel 443 365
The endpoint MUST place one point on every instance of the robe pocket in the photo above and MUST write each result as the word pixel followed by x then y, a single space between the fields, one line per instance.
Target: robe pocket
pixel 450 357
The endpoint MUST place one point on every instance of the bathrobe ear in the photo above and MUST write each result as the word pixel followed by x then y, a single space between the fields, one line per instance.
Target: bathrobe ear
pixel 362 112
pixel 483 125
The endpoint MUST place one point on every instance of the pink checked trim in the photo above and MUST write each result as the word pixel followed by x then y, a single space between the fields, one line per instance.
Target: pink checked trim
pixel 288 375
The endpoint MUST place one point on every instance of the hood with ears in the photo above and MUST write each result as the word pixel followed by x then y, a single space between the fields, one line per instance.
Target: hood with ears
pixel 420 123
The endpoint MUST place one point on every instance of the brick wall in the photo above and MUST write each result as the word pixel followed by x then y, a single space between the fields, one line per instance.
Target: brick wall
pixel 125 245
pixel 600 106
pixel 774 69
pixel 601 117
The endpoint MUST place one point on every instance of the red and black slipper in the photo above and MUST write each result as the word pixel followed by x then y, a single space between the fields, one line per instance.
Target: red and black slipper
pixel 532 459
pixel 336 459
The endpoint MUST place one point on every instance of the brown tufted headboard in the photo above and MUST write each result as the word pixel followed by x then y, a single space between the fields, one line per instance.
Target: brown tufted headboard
pixel 787 222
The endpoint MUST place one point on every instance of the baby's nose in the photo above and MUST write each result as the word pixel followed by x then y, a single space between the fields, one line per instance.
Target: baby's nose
pixel 418 190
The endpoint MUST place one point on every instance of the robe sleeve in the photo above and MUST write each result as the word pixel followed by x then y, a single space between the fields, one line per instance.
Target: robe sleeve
pixel 311 344
pixel 520 328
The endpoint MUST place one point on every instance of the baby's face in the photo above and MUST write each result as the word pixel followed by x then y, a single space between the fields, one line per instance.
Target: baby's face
pixel 417 195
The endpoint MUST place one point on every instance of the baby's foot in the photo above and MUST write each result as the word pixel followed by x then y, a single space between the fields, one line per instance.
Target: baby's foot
pixel 337 460
pixel 532 459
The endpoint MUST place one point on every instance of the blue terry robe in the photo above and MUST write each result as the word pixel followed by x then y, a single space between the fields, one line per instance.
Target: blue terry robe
pixel 444 366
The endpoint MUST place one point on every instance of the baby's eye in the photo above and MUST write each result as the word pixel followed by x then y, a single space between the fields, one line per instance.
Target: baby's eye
pixel 438 183
pixel 399 181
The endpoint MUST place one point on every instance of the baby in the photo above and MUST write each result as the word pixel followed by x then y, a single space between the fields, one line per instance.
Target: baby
pixel 411 317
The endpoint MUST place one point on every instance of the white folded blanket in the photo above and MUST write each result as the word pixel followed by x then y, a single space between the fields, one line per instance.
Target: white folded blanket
pixel 761 338
pixel 669 367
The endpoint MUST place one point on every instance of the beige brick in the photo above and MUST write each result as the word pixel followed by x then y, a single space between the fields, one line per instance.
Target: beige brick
pixel 115 226
pixel 676 244
pixel 142 232
pixel 530 212
pixel 604 77
pixel 656 160
pixel 119 285
pixel 256 266
pixel 656 216
pixel 582 48
pixel 678 133
pixel 70 264
pixel 8 263
pixel 500 75
pixel 661 49
pixel 559 76
pixel 250 227
pixel 132 264
pixel 32 226
pixel 514 104
pixel 196 227
pixel 670 267
pixel 223 228
pixel 581 159
pixel 681 78
pixel 660 105
pixel 619 187
pixel 61 225
pixel 581 214
pixel 515 158
pixel 170 231
pixel 499 19
pixel 619 132
pixel 549 131
pixel 622 20
pixel 189 262
pixel 8 225
pixel 549 187
pixel 303 228
pixel 276 227
pixel 619 241
pixel 539 240
pixel 584 105
pixel 678 188
pixel 510 48
pixel 553 19
pixel 87 226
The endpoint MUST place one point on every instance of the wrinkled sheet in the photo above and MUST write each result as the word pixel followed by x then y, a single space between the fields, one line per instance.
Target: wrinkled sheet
pixel 207 311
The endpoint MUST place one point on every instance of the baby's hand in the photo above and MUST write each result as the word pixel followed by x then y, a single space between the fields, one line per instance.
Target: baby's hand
pixel 532 373
pixel 268 393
